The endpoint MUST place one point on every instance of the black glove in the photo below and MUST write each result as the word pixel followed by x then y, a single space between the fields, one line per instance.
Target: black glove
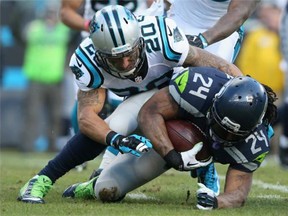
pixel 197 40
pixel 186 161
pixel 206 198
pixel 133 144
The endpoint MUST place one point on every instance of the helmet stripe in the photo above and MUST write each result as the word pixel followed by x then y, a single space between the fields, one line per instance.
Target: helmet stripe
pixel 110 27
pixel 116 17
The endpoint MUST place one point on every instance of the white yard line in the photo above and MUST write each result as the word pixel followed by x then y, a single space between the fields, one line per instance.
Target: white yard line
pixel 272 196
pixel 259 183
pixel 277 187
pixel 140 196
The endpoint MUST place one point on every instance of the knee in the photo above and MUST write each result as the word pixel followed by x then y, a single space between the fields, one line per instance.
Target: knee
pixel 108 192
pixel 110 195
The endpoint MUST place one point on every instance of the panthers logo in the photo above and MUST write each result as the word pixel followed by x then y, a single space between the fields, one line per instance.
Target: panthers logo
pixel 77 72
pixel 94 26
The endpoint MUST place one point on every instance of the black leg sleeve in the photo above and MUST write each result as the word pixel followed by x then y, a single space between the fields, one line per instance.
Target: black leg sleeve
pixel 78 149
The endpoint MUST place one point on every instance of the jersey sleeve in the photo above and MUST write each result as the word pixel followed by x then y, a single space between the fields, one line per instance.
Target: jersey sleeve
pixel 175 43
pixel 86 72
pixel 164 41
pixel 248 154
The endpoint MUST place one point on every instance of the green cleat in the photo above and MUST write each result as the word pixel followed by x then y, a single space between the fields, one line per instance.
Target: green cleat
pixel 35 189
pixel 81 190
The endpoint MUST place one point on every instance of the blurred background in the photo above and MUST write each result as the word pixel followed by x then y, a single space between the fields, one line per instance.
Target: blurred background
pixel 31 59
pixel 35 48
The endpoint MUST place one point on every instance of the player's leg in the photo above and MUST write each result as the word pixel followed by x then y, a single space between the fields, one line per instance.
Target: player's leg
pixel 79 149
pixel 127 173
pixel 124 174
pixel 124 121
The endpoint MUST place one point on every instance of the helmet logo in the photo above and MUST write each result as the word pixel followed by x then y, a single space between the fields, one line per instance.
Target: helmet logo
pixel 94 26
pixel 231 125
pixel 249 98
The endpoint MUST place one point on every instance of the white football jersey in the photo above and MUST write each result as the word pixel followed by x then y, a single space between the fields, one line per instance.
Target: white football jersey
pixel 92 6
pixel 203 13
pixel 165 46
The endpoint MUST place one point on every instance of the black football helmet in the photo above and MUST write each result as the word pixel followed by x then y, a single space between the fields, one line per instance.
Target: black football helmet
pixel 237 110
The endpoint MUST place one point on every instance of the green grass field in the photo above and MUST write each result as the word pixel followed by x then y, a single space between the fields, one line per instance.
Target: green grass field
pixel 166 195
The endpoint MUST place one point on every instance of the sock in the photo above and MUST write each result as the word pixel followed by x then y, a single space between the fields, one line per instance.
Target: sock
pixel 79 149
pixel 108 157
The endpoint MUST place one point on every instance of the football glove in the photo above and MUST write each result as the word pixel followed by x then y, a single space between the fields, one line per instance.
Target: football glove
pixel 206 198
pixel 197 40
pixel 189 158
pixel 186 161
pixel 133 144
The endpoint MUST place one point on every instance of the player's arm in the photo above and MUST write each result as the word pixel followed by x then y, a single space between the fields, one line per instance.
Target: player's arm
pixel 152 116
pixel 236 190
pixel 70 17
pixel 198 57
pixel 160 107
pixel 90 103
pixel 237 13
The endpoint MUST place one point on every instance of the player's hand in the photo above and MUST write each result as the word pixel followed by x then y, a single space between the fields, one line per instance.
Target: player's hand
pixel 206 198
pixel 197 40
pixel 133 144
pixel 189 158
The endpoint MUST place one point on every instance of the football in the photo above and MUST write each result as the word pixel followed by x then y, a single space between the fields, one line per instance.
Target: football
pixel 184 135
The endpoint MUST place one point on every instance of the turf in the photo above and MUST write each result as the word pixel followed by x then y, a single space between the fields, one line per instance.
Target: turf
pixel 173 193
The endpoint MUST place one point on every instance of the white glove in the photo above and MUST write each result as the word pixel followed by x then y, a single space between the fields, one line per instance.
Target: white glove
pixel 206 198
pixel 189 158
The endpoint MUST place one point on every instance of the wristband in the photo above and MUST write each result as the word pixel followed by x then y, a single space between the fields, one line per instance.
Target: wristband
pixel 86 25
pixel 174 159
pixel 204 41
pixel 110 137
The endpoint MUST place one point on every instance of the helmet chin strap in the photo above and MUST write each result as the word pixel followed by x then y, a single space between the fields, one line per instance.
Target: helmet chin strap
pixel 128 73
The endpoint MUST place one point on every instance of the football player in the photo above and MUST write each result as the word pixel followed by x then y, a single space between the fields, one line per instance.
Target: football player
pixel 217 24
pixel 235 113
pixel 71 17
pixel 134 59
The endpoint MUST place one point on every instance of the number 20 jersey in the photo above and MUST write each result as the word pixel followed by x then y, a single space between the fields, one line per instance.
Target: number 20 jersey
pixel 194 91
pixel 165 47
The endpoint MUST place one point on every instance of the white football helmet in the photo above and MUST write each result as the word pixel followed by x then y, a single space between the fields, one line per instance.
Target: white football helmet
pixel 115 33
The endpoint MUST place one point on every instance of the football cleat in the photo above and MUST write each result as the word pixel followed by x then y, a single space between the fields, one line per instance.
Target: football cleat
pixel 209 177
pixel 35 189
pixel 81 190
